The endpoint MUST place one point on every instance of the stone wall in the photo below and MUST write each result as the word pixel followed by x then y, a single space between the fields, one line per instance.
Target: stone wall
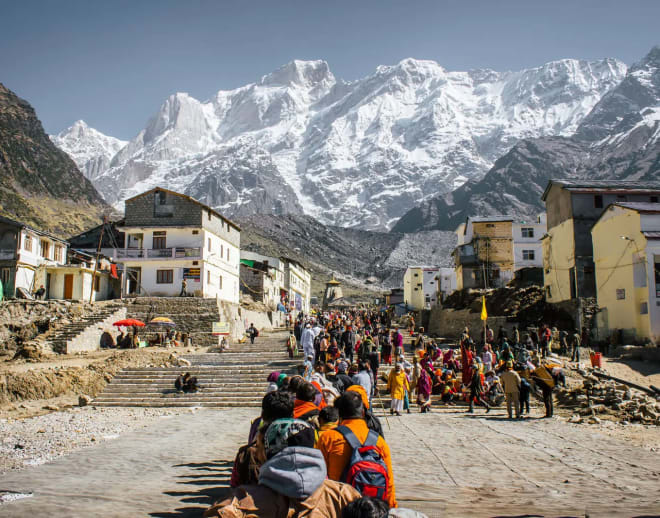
pixel 141 212
pixel 449 323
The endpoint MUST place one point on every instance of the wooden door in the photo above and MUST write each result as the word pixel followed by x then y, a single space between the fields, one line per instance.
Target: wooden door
pixel 68 286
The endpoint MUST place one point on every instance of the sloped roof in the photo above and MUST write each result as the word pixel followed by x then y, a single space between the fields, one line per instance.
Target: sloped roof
pixel 189 198
pixel 650 208
pixel 19 224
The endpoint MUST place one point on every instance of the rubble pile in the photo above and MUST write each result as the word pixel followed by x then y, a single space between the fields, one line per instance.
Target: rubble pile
pixel 597 398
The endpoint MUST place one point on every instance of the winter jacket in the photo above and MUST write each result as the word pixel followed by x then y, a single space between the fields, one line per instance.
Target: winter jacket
pixel 291 485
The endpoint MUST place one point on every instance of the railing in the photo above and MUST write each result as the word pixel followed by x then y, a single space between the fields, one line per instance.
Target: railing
pixel 7 254
pixel 159 253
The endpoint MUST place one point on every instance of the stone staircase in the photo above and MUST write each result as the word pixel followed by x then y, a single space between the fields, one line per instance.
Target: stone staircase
pixel 192 315
pixel 228 379
pixel 84 333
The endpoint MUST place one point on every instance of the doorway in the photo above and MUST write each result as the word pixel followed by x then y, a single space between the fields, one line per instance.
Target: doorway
pixel 68 286
pixel 133 280
pixel 48 281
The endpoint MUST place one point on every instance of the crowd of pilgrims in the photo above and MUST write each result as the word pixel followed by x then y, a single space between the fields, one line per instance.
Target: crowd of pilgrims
pixel 319 450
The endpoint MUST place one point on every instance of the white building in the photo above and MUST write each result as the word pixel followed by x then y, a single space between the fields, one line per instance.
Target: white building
pixel 170 237
pixel 446 282
pixel 298 284
pixel 527 246
pixel 420 287
pixel 262 277
pixel 23 252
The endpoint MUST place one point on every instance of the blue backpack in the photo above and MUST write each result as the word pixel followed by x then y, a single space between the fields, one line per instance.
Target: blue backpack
pixel 366 471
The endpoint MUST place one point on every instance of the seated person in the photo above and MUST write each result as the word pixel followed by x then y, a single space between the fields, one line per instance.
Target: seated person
pixel 186 383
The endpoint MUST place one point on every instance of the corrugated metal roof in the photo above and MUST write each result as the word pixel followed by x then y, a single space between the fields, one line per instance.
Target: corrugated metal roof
pixel 640 206
pixel 482 219
pixel 651 235
pixel 603 185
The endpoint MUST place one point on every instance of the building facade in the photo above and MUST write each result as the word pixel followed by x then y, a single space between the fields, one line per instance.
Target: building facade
pixel 420 287
pixel 24 251
pixel 298 285
pixel 626 253
pixel 446 282
pixel 170 237
pixel 573 207
pixel 262 277
pixel 527 245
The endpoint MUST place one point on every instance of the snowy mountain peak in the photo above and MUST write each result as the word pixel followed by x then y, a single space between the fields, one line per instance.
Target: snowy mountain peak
pixel 90 149
pixel 354 154
pixel 308 74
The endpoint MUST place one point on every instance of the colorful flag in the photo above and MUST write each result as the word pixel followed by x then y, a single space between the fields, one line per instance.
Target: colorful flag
pixel 484 313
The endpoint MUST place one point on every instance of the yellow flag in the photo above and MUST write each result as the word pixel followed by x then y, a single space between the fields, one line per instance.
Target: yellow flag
pixel 484 313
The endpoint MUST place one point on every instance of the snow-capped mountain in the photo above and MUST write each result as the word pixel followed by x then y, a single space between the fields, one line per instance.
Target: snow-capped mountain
pixel 90 149
pixel 356 154
pixel 618 140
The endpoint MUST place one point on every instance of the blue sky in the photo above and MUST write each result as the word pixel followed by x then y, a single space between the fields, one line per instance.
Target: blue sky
pixel 112 63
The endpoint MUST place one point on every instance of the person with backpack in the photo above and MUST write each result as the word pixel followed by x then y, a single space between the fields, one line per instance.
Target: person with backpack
pixel 356 455
pixel 292 482
pixel 252 332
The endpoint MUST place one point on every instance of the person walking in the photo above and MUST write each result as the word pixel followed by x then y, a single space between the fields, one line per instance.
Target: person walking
pixel 307 341
pixel 397 384
pixel 424 388
pixel 184 288
pixel 476 390
pixel 252 332
pixel 348 342
pixel 577 342
pixel 397 343
pixel 525 390
pixel 546 386
pixel 510 381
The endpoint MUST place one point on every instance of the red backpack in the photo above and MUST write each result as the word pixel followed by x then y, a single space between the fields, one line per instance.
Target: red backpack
pixel 366 471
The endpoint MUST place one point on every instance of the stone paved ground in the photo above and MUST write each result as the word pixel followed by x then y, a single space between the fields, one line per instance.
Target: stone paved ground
pixel 446 464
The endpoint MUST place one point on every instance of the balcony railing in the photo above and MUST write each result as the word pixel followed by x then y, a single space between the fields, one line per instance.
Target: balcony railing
pixel 7 254
pixel 159 253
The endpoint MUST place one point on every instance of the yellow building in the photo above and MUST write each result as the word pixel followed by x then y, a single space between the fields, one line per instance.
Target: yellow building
pixel 626 245
pixel 573 207
pixel 484 256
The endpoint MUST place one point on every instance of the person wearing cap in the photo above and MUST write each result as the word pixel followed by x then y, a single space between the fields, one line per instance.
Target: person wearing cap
pixel 510 381
pixel 397 384
pixel 294 479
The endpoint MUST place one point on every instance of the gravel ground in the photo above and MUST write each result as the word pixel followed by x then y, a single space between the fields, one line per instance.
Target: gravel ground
pixel 42 439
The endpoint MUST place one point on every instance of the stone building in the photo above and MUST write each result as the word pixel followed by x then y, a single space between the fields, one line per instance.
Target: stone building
pixel 332 293
pixel 170 237
pixel 262 277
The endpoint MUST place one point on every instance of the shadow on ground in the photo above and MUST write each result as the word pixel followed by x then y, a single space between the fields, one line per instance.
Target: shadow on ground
pixel 203 483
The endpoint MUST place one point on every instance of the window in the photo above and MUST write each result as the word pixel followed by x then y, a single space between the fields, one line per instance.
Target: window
pixel 161 197
pixel 208 277
pixel 527 232
pixel 227 253
pixel 27 243
pixel 195 263
pixel 644 308
pixel 4 276
pixel 59 254
pixel 161 208
pixel 416 275
pixel 209 213
pixel 496 274
pixel 490 225
pixel 620 294
pixel 222 251
pixel 164 276
pixel 654 199
pixel 657 276
pixel 220 282
pixel 45 249
pixel 548 292
pixel 209 244
pixel 528 255
pixel 621 197
pixel 598 201
pixel 195 232
pixel 160 240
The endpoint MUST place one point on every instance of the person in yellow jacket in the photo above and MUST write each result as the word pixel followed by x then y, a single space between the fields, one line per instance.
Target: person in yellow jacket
pixel 397 384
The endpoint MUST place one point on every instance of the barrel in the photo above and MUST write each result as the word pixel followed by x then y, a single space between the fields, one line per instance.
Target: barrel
pixel 596 360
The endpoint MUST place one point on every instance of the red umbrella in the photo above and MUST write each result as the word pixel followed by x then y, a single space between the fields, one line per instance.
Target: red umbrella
pixel 129 322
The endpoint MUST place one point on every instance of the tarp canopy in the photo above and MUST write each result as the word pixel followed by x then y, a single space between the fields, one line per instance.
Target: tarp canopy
pixel 247 262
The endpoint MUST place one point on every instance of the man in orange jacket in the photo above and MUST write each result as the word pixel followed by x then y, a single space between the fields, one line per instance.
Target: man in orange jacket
pixel 337 451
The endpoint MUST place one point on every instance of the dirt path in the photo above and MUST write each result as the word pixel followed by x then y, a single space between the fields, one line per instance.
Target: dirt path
pixel 447 463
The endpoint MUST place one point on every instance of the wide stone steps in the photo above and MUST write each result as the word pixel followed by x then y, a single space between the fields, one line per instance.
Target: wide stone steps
pixel 234 378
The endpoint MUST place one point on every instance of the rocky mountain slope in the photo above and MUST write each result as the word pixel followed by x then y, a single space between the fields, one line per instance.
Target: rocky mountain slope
pixel 90 149
pixel 618 139
pixel 352 154
pixel 360 258
pixel 39 184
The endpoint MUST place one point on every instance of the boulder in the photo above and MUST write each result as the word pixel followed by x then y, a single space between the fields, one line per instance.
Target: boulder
pixel 84 400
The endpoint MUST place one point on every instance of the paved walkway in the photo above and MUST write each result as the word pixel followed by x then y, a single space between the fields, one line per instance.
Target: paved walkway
pixel 446 464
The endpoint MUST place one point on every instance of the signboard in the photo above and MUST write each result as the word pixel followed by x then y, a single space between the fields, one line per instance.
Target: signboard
pixel 220 328
pixel 192 274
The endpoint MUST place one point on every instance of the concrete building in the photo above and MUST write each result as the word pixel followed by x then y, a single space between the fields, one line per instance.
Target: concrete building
pixel 484 256
pixel 626 253
pixel 420 287
pixel 298 284
pixel 527 245
pixel 446 278
pixel 81 278
pixel 170 237
pixel 23 252
pixel 573 207
pixel 262 277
